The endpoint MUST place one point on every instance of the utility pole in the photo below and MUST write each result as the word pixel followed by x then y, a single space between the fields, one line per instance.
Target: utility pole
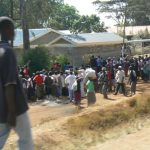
pixel 26 42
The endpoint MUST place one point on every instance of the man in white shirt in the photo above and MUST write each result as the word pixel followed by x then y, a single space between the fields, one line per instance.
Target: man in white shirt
pixel 120 76
pixel 69 80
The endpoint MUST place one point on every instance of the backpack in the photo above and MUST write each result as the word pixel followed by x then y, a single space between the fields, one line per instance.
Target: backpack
pixel 48 81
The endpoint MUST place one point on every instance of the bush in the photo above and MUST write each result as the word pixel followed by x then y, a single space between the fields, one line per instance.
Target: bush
pixel 38 59
pixel 61 59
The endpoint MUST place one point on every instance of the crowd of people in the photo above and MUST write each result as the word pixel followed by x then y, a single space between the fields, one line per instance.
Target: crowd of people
pixel 102 75
pixel 111 75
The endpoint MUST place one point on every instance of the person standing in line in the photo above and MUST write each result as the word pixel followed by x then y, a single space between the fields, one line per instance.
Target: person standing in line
pixel 132 80
pixel 69 80
pixel 39 88
pixel 77 92
pixel 90 92
pixel 120 77
pixel 103 79
pixel 13 102
pixel 48 85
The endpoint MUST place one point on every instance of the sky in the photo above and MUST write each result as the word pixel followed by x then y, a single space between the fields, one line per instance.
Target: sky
pixel 85 7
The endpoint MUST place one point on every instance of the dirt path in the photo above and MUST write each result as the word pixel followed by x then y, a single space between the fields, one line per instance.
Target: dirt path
pixel 39 114
pixel 50 118
pixel 136 141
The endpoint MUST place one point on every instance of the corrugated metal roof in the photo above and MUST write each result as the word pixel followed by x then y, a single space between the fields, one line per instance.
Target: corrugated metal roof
pixel 103 37
pixel 33 33
pixel 66 32
pixel 85 38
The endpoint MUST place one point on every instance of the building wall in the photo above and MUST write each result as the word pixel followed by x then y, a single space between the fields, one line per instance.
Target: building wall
pixel 80 55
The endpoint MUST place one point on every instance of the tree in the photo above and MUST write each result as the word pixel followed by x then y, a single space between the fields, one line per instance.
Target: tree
pixel 63 17
pixel 39 12
pixel 24 24
pixel 38 57
pixel 140 12
pixel 132 10
pixel 6 8
pixel 88 24
pixel 52 14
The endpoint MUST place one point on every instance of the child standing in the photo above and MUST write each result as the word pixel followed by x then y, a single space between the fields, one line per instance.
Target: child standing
pixel 90 92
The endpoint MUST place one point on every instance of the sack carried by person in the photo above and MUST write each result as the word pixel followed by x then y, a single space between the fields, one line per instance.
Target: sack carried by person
pixel 90 73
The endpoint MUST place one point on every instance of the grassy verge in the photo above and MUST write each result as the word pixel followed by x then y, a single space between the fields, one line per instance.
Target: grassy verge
pixel 97 123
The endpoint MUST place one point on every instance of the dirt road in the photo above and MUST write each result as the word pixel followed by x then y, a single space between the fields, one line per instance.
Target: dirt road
pixel 46 119
pixel 39 113
pixel 136 141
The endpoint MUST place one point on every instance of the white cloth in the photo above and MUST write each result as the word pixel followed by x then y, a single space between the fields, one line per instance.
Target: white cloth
pixel 69 80
pixel 62 80
pixel 120 76
pixel 90 73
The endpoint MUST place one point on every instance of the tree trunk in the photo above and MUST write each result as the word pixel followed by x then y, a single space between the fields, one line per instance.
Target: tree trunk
pixel 26 42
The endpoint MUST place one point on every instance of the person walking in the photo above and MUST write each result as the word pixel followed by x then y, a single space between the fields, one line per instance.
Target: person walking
pixel 13 102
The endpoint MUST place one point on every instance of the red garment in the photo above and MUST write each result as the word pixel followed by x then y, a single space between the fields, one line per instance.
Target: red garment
pixel 26 72
pixel 77 96
pixel 109 74
pixel 38 79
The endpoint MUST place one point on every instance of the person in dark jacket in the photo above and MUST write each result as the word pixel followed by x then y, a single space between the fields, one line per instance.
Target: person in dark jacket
pixel 132 80
pixel 13 102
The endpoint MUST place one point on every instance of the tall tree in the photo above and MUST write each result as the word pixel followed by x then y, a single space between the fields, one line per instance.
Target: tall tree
pixel 88 24
pixel 39 12
pixel 139 12
pixel 136 12
pixel 24 23
pixel 63 17
pixel 53 14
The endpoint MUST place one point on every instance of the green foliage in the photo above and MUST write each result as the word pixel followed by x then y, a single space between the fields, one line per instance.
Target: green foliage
pixel 63 17
pixel 39 12
pixel 137 12
pixel 53 14
pixel 61 59
pixel 88 24
pixel 38 59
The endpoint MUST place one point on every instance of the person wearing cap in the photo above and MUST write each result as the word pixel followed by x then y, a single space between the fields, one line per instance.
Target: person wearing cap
pixel 13 102
pixel 132 80
pixel 120 76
